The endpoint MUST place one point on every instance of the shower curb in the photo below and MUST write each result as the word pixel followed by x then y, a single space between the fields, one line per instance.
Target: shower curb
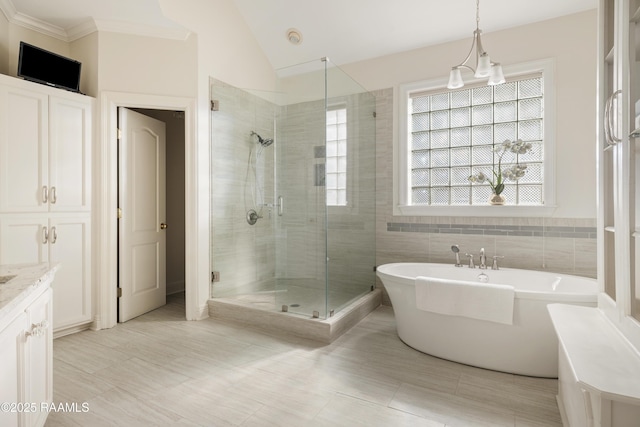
pixel 325 331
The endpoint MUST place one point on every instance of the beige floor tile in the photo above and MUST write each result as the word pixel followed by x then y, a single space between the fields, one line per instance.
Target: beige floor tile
pixel 348 411
pixel 451 410
pixel 159 369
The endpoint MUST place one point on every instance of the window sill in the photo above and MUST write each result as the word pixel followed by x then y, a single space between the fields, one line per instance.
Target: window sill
pixel 478 211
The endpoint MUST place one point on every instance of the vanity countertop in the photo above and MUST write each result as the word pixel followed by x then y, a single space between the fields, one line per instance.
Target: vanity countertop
pixel 21 282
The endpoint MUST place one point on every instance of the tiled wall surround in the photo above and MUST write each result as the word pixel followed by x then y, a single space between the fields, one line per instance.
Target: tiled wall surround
pixel 496 230
pixel 562 245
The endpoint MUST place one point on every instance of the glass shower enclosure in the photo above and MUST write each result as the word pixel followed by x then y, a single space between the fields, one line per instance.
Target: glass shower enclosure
pixel 293 192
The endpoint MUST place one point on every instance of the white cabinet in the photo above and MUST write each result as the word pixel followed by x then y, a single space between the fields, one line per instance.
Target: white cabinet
pixel 64 240
pixel 599 360
pixel 45 190
pixel 45 151
pixel 38 359
pixel 26 362
pixel 11 377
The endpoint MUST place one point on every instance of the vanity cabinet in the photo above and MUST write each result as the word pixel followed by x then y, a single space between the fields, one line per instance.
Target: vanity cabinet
pixel 45 190
pixel 26 360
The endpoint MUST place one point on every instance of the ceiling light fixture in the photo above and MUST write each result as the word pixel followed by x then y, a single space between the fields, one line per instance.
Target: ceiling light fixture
pixel 484 66
pixel 294 36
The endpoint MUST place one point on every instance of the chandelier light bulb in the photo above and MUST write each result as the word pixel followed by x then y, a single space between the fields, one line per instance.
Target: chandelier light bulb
pixel 496 77
pixel 455 79
pixel 484 66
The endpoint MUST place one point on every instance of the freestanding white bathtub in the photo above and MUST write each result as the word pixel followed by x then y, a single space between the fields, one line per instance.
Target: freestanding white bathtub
pixel 529 346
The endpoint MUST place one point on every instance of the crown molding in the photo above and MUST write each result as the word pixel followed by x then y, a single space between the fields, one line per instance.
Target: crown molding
pixel 31 23
pixel 174 33
pixel 8 9
pixel 88 26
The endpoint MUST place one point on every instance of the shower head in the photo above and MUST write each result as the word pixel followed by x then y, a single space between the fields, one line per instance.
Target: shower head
pixel 265 142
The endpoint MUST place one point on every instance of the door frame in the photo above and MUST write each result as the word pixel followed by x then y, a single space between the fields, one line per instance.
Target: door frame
pixel 106 204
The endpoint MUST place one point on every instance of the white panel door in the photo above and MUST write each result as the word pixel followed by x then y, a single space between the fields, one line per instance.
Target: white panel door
pixel 24 239
pixel 23 150
pixel 69 154
pixel 141 194
pixel 69 246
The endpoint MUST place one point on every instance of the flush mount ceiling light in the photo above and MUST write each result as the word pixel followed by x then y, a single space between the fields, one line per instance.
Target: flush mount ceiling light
pixel 484 66
pixel 294 36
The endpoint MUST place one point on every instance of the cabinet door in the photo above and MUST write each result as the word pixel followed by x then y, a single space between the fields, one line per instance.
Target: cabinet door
pixel 23 150
pixel 23 239
pixel 12 368
pixel 69 155
pixel 38 358
pixel 69 245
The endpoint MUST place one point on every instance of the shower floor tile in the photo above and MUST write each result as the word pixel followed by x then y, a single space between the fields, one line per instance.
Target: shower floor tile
pixel 160 369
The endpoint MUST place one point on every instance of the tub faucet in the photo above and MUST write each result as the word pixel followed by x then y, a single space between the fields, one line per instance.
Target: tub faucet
pixel 483 260
pixel 495 262
pixel 471 264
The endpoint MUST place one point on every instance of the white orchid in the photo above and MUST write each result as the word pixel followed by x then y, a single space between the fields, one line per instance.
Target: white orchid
pixel 512 173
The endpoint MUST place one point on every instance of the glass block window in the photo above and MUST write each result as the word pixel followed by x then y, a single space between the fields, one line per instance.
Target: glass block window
pixel 452 135
pixel 336 157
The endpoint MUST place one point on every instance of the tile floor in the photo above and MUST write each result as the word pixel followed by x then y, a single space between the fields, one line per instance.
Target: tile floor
pixel 161 370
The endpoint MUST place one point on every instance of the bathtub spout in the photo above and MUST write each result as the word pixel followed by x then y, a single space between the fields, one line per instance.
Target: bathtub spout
pixel 483 260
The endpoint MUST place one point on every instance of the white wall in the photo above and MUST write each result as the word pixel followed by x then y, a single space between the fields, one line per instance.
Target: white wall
pixel 571 42
pixel 227 49
pixel 149 65
pixel 86 51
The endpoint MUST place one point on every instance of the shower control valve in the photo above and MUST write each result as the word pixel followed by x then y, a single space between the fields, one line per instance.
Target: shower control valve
pixel 252 217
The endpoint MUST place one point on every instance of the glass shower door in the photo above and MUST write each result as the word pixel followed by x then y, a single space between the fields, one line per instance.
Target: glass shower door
pixel 301 222
pixel 351 189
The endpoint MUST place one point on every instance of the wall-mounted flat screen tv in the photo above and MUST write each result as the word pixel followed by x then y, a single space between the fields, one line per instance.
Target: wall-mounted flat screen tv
pixel 42 66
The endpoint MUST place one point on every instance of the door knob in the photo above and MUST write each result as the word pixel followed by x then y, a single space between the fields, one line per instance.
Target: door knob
pixel 163 226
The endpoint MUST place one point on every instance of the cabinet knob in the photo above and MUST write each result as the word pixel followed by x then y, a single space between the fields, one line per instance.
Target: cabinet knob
pixel 163 226
pixel 38 329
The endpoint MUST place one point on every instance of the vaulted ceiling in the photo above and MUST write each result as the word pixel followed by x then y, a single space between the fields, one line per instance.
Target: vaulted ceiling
pixel 344 30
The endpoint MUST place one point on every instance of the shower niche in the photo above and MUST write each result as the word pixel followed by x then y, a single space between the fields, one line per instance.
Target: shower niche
pixel 293 192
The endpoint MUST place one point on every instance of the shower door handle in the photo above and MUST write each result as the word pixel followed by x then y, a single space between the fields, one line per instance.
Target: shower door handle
pixel 280 205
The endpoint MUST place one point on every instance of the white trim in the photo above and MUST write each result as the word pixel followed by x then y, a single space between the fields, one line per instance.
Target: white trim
pixel 196 276
pixel 401 150
pixel 89 26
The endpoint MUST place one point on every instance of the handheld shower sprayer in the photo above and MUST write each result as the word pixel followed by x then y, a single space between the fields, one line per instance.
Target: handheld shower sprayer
pixel 456 250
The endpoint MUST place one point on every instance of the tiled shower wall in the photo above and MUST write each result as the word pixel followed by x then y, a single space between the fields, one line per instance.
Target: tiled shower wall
pixel 349 235
pixel 292 247
pixel 561 245
pixel 243 254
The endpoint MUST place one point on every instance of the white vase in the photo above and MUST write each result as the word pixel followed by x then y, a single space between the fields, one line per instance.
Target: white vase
pixel 496 199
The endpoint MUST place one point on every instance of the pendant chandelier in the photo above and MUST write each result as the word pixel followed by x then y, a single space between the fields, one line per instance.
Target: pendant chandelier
pixel 484 66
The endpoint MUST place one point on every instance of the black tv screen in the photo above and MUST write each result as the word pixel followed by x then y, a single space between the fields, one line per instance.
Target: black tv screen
pixel 48 68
